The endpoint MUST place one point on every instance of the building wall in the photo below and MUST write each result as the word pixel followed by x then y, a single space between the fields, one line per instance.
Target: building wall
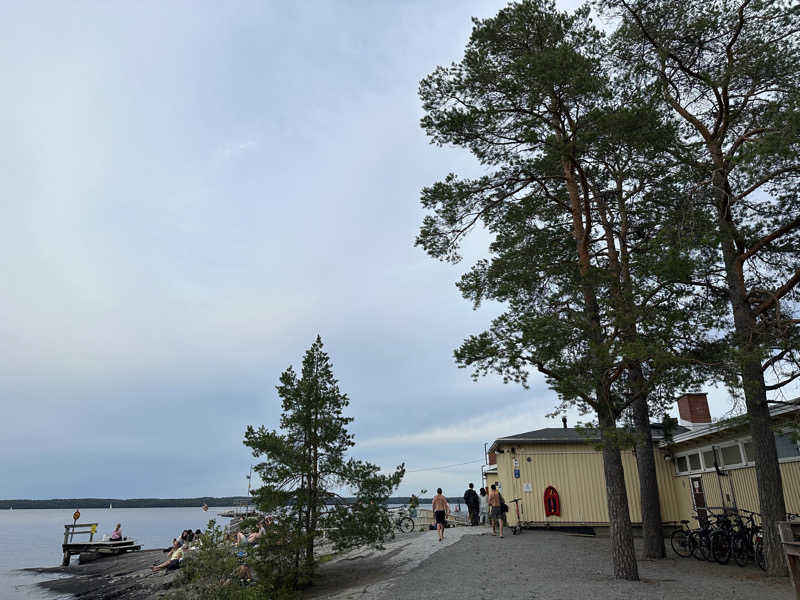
pixel 744 489
pixel 576 471
pixel 490 479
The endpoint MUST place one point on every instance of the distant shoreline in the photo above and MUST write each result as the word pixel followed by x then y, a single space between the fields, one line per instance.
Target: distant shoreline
pixel 84 503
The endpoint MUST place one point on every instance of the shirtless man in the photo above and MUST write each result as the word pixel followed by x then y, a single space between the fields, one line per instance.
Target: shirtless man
pixel 495 510
pixel 440 511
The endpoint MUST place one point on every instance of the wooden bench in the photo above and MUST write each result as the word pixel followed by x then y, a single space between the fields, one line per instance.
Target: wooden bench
pixel 790 538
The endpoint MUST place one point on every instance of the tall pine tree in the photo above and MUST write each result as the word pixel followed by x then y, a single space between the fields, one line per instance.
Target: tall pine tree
pixel 304 471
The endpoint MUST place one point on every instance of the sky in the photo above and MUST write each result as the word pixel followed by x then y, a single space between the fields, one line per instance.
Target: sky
pixel 191 192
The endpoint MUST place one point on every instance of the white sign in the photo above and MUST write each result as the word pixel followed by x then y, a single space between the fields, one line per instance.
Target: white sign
pixel 516 464
pixel 526 487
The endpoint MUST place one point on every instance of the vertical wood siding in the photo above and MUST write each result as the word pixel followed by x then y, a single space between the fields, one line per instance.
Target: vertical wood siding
pixel 576 471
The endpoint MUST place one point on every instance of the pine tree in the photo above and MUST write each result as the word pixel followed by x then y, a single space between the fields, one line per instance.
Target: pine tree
pixel 303 470
pixel 728 71
pixel 587 250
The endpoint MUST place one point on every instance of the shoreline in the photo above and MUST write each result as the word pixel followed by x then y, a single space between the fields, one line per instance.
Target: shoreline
pixel 124 577
pixel 536 564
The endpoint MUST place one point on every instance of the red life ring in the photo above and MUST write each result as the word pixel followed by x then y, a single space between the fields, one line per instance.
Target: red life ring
pixel 552 504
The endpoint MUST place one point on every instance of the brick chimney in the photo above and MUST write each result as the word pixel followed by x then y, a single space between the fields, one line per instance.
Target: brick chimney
pixel 693 410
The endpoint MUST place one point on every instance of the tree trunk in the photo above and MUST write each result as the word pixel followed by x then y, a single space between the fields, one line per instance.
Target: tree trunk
pixel 623 554
pixel 652 530
pixel 768 473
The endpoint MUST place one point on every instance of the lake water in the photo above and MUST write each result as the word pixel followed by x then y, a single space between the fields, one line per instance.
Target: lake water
pixel 33 538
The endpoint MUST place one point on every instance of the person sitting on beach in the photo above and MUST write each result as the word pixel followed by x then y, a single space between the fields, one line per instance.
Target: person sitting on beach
pixel 187 535
pixel 174 560
pixel 262 531
pixel 440 510
pixel 116 535
pixel 240 540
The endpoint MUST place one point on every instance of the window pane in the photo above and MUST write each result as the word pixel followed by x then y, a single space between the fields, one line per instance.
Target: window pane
pixel 731 455
pixel 682 465
pixel 708 459
pixel 694 462
pixel 748 451
pixel 785 446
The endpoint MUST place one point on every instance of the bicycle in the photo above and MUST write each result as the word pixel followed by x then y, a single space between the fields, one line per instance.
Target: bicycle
pixel 403 522
pixel 746 539
pixel 688 542
pixel 722 539
pixel 682 540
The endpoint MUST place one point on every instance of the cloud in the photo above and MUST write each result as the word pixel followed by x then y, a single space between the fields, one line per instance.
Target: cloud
pixel 509 420
pixel 237 149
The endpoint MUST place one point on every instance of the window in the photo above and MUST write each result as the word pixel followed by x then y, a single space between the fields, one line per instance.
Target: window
pixel 731 455
pixel 786 446
pixel 694 462
pixel 708 458
pixel 748 451
pixel 681 464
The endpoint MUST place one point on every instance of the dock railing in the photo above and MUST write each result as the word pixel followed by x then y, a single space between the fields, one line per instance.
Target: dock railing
pixel 82 529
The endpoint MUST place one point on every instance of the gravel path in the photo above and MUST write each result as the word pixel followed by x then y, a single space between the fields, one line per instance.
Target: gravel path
pixel 366 573
pixel 540 565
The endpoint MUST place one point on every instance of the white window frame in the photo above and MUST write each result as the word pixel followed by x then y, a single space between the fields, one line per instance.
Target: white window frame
pixel 740 442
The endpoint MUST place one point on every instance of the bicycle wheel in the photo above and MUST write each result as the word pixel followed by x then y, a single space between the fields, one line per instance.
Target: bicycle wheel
pixel 761 559
pixel 701 546
pixel 406 525
pixel 680 541
pixel 721 547
pixel 740 550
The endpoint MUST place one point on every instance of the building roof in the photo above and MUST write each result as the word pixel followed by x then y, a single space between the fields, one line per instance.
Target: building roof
pixel 714 428
pixel 570 435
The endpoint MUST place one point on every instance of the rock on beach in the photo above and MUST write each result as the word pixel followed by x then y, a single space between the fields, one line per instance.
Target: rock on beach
pixel 124 577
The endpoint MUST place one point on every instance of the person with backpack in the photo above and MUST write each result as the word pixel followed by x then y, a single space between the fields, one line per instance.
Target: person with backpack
pixel 496 503
pixel 473 504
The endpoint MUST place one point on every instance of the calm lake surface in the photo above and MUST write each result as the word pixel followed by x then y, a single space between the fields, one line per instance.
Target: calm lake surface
pixel 33 538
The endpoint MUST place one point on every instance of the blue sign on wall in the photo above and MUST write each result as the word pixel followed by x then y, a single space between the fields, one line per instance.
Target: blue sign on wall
pixel 516 473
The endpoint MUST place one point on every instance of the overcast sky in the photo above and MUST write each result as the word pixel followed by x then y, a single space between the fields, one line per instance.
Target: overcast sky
pixel 190 194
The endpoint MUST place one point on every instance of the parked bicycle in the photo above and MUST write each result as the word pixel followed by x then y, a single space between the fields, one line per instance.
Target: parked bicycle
pixel 402 521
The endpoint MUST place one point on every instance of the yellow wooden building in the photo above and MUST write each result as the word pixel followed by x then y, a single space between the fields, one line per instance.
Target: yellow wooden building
pixel 570 462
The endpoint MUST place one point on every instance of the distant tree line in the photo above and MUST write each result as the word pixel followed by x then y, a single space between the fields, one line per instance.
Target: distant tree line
pixel 210 501
pixel 73 503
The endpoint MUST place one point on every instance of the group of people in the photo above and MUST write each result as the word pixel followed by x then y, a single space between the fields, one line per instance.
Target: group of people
pixel 243 538
pixel 483 506
pixel 486 506
pixel 177 550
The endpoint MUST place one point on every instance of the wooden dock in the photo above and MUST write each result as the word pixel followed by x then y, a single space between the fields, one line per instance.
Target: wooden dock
pixel 90 550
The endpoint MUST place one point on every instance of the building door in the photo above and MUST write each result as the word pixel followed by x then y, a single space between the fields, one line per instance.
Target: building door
pixel 698 496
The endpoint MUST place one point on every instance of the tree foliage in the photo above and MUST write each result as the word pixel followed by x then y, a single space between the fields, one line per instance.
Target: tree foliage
pixel 728 72
pixel 304 467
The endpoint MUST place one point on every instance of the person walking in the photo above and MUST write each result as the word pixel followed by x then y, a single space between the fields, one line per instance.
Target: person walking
pixel 473 504
pixel 440 511
pixel 484 507
pixel 496 509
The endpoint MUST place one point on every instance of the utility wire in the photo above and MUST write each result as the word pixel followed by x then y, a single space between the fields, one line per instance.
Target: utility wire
pixel 470 462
